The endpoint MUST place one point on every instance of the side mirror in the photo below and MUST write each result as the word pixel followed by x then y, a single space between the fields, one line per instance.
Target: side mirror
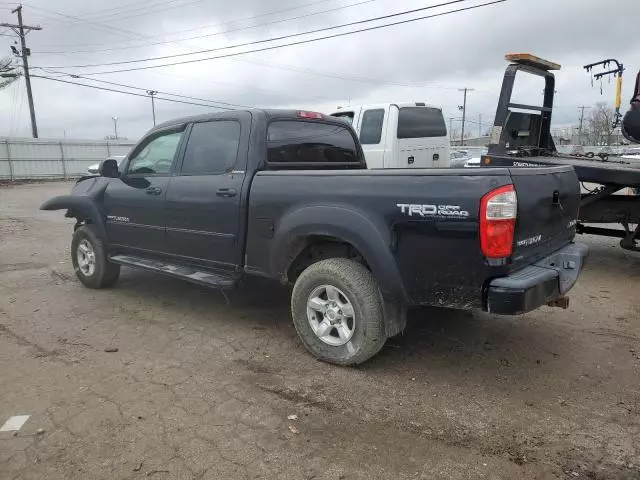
pixel 108 168
pixel 631 125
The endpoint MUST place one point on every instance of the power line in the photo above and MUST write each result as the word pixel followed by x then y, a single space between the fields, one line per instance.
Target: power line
pixel 135 4
pixel 300 42
pixel 208 26
pixel 16 97
pixel 274 22
pixel 156 91
pixel 103 26
pixel 310 72
pixel 272 39
pixel 19 109
pixel 355 78
pixel 130 93
pixel 125 13
pixel 59 74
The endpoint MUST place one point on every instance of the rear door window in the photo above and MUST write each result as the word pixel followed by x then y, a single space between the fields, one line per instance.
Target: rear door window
pixel 421 122
pixel 371 128
pixel 212 148
pixel 310 144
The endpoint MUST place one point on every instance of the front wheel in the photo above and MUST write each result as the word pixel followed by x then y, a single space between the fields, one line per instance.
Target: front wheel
pixel 89 258
pixel 337 311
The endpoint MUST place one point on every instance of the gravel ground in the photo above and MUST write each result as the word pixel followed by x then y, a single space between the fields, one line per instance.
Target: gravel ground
pixel 202 386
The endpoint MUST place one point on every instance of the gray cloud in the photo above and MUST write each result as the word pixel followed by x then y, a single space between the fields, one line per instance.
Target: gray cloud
pixel 426 60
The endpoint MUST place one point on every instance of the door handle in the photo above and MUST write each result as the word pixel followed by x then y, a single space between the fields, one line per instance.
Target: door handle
pixel 226 192
pixel 154 191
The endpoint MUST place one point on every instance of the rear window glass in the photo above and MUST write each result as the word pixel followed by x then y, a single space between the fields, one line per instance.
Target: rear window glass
pixel 371 129
pixel 308 143
pixel 421 122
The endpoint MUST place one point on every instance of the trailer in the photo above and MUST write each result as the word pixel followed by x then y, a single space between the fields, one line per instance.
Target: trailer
pixel 521 137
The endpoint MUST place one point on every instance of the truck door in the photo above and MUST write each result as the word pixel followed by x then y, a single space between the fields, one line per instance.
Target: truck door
pixel 370 131
pixel 204 198
pixel 134 202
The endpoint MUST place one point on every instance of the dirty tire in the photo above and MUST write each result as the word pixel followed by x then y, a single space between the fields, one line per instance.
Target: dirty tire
pixel 104 274
pixel 361 289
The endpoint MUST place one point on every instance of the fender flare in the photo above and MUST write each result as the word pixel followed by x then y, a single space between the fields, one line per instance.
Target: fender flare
pixel 78 204
pixel 370 236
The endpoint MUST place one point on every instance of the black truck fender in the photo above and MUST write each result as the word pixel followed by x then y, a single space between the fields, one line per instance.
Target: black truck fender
pixel 80 207
pixel 346 225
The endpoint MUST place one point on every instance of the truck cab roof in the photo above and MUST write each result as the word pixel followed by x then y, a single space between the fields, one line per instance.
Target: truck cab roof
pixel 266 113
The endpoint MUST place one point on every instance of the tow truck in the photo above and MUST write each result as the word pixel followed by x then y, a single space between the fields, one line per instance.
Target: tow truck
pixel 521 137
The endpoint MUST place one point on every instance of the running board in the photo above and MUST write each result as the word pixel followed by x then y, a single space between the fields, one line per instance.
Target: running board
pixel 185 272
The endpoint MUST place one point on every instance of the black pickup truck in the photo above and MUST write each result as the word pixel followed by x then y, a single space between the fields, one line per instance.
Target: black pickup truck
pixel 286 195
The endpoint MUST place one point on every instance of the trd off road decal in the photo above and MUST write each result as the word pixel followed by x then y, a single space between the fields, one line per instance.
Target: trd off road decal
pixel 449 211
pixel 115 218
pixel 527 242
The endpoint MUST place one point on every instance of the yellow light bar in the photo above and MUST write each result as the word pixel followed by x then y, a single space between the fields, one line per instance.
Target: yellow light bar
pixel 532 61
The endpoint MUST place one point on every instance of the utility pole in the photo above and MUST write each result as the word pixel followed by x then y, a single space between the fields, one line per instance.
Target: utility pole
pixel 152 93
pixel 20 30
pixel 581 108
pixel 479 125
pixel 115 125
pixel 450 126
pixel 463 107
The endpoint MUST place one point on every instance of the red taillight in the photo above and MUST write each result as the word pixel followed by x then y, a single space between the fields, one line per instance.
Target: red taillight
pixel 498 212
pixel 314 115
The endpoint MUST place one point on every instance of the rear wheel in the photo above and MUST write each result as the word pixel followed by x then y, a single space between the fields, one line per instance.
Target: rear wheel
pixel 89 258
pixel 337 311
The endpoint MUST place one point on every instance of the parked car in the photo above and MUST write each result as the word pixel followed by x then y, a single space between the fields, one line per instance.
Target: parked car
pixel 458 158
pixel 286 195
pixel 93 169
pixel 400 135
pixel 475 156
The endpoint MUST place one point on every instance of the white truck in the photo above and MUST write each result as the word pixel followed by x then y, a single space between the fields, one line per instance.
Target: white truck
pixel 400 135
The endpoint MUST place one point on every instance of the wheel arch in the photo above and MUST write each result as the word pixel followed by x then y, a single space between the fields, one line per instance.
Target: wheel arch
pixel 82 208
pixel 367 238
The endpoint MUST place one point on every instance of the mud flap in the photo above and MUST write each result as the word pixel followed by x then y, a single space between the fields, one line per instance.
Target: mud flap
pixel 395 319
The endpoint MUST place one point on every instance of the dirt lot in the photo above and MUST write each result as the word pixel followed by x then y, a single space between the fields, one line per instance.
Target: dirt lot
pixel 202 388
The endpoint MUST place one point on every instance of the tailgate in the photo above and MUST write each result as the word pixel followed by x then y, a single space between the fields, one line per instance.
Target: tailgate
pixel 548 201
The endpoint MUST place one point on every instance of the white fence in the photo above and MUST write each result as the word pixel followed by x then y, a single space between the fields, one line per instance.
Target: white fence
pixel 26 158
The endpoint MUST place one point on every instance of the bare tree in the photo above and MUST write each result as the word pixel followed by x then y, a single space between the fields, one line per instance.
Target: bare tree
pixel 454 134
pixel 599 124
pixel 8 72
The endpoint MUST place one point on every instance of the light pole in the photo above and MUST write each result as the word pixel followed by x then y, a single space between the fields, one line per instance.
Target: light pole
pixel 152 93
pixel 115 125
pixel 463 107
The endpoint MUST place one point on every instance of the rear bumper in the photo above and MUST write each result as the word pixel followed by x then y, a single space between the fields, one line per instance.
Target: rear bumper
pixel 537 284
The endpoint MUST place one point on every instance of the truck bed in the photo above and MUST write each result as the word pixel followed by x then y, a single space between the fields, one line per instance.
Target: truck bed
pixel 418 229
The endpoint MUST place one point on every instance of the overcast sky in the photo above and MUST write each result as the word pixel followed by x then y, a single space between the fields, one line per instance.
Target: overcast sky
pixel 427 60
